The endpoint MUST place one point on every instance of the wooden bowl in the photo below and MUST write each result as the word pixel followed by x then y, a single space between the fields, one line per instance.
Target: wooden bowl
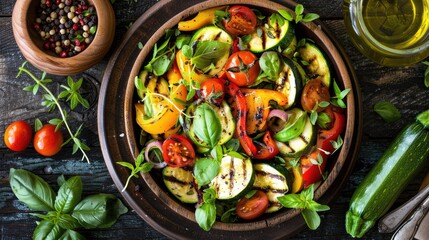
pixel 31 44
pixel 118 131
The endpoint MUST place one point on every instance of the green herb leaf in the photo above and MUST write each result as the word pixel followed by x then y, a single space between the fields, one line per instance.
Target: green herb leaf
pixel 32 190
pixel 205 170
pixel 66 221
pixel 209 52
pixel 423 118
pixel 99 211
pixel 47 230
pixel 270 64
pixel 285 14
pixel 312 219
pixel 387 111
pixel 206 125
pixel 310 17
pixel 71 235
pixel 69 195
pixel 205 214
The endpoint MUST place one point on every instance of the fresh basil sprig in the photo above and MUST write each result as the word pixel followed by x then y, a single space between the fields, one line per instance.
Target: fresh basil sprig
pixel 304 200
pixel 206 53
pixel 387 111
pixel 206 125
pixel 299 11
pixel 205 214
pixel 65 210
pixel 205 170
pixel 270 65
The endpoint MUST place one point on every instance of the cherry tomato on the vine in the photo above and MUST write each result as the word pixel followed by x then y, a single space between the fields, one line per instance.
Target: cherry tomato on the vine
pixel 242 21
pixel 314 92
pixel 18 135
pixel 177 151
pixel 251 208
pixel 242 68
pixel 213 90
pixel 47 141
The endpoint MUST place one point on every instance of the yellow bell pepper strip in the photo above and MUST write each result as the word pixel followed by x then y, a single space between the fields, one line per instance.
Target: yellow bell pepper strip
pixel 203 18
pixel 187 70
pixel 166 114
pixel 258 105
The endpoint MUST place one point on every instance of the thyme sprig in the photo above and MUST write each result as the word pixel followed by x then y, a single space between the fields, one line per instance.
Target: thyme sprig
pixel 52 102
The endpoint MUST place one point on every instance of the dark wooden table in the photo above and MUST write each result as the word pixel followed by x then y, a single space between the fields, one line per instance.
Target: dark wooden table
pixel 402 86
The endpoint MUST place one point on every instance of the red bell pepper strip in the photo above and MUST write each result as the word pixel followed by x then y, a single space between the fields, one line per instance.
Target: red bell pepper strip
pixel 245 141
pixel 313 172
pixel 267 149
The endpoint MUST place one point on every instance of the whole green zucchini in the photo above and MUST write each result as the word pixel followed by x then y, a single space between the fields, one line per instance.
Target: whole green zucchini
pixel 399 164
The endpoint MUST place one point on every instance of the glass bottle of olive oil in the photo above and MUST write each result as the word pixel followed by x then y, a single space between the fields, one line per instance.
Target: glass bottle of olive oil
pixel 389 32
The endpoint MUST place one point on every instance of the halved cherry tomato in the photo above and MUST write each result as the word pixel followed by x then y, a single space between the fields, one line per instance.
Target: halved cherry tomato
pixel 242 21
pixel 177 151
pixel 266 150
pixel 311 172
pixel 18 135
pixel 47 141
pixel 242 68
pixel 213 90
pixel 251 208
pixel 314 92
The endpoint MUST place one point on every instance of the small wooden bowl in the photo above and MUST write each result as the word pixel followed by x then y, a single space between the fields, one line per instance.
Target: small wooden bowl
pixel 31 44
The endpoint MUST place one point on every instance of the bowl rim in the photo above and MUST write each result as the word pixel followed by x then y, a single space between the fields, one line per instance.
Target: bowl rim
pixel 352 122
pixel 51 63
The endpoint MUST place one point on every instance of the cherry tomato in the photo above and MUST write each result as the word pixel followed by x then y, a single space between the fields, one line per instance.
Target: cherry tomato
pixel 177 151
pixel 242 68
pixel 18 135
pixel 242 21
pixel 251 208
pixel 213 90
pixel 314 92
pixel 47 141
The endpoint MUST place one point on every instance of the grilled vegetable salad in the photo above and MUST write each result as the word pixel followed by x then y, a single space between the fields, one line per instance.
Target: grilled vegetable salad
pixel 236 112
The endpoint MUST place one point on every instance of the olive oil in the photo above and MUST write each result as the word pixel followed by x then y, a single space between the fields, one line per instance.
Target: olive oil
pixel 390 32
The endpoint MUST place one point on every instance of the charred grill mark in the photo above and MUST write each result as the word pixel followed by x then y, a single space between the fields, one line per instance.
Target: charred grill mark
pixel 231 174
pixel 217 37
pixel 275 176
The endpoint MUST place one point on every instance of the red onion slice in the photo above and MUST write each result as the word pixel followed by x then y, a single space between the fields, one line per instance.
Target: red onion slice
pixel 276 120
pixel 156 163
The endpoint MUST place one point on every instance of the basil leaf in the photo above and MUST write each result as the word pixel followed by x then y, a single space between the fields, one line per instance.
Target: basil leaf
pixel 162 64
pixel 71 235
pixel 47 230
pixel 99 211
pixel 66 221
pixel 32 190
pixel 205 170
pixel 206 125
pixel 205 215
pixel 387 111
pixel 270 64
pixel 311 218
pixel 209 52
pixel 69 195
pixel 291 201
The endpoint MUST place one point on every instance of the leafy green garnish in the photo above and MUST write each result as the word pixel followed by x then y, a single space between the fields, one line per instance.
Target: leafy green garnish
pixel 299 10
pixel 206 53
pixel 205 214
pixel 304 200
pixel 206 125
pixel 140 166
pixel 387 111
pixel 52 102
pixel 270 65
pixel 338 99
pixel 205 170
pixel 65 210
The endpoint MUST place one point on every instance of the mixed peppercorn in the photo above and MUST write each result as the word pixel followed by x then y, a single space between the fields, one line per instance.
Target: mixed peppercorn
pixel 66 26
